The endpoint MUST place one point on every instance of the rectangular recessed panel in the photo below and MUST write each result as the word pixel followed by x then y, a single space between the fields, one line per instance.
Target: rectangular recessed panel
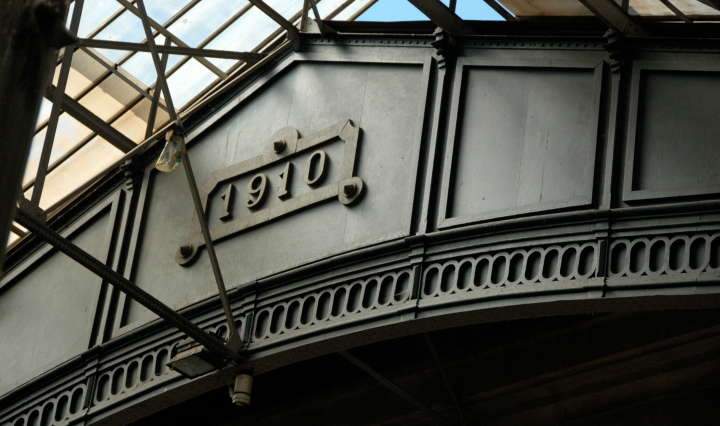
pixel 678 126
pixel 46 318
pixel 525 142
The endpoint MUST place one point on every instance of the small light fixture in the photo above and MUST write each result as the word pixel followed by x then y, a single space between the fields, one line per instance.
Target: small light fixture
pixel 192 360
pixel 172 154
pixel 241 390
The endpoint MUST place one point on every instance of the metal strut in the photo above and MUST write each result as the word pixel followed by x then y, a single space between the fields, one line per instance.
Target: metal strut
pixel 209 341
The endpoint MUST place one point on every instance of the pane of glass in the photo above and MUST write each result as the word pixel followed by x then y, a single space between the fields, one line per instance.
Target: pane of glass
pixel 391 10
pixel 134 122
pixel 200 21
pixel 94 13
pixel 649 7
pixel 34 155
pixel 127 27
pixel 326 7
pixel 188 81
pixel 162 10
pixel 68 17
pixel 69 133
pixel 473 10
pixel 107 98
pixel 90 160
pixel 287 8
pixel 245 33
pixel 83 71
pixel 45 108
pixel 142 67
pixel 694 7
pixel 351 10
pixel 546 8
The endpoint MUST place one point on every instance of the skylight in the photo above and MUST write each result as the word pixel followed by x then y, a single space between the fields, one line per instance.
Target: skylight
pixel 107 88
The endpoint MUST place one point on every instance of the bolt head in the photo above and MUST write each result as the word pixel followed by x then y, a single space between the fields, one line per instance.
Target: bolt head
pixel 186 251
pixel 350 189
pixel 279 146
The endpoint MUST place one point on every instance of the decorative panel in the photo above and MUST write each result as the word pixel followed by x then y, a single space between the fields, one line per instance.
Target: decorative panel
pixel 522 138
pixel 673 131
pixel 542 266
pixel 48 303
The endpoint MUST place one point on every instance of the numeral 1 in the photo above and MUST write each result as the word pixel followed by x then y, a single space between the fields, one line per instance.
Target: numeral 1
pixel 227 196
pixel 285 178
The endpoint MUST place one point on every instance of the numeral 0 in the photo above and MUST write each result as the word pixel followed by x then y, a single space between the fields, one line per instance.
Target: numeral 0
pixel 257 189
pixel 316 168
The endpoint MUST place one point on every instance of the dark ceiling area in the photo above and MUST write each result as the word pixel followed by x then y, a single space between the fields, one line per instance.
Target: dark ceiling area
pixel 656 368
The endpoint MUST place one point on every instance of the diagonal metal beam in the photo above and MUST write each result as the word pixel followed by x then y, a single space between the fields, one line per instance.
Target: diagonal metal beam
pixel 173 50
pixel 497 7
pixel 614 16
pixel 442 17
pixel 388 384
pixel 679 13
pixel 445 380
pixel 55 111
pixel 233 338
pixel 715 4
pixel 293 33
pixel 162 81
pixel 164 31
pixel 42 231
pixel 91 121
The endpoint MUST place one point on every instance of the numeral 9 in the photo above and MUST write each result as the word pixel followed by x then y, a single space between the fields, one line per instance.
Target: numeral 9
pixel 257 189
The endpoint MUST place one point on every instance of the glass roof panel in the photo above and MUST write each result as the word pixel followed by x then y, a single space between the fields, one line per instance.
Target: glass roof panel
pixel 188 81
pixel 133 123
pixel 326 7
pixel 69 133
pixel 245 33
pixel 126 27
pixel 95 13
pixel 141 66
pixel 287 8
pixel 83 72
pixel 82 166
pixel 391 10
pixel 109 97
pixel 352 9
pixel 45 108
pixel 546 8
pixel 163 10
pixel 204 18
pixel 473 10
pixel 649 8
pixel 694 7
